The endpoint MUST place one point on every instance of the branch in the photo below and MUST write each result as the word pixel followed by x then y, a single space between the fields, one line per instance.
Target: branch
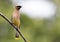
pixel 13 26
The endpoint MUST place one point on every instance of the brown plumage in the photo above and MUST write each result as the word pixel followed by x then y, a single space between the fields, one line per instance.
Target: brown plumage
pixel 16 18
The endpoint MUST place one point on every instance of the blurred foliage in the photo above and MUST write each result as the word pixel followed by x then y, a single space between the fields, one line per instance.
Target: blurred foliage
pixel 34 30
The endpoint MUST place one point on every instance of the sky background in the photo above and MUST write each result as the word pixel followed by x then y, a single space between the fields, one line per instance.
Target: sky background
pixel 37 8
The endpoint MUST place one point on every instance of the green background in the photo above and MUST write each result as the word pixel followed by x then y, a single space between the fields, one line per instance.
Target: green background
pixel 34 30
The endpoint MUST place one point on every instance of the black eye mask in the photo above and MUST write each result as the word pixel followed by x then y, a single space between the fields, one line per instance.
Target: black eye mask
pixel 18 7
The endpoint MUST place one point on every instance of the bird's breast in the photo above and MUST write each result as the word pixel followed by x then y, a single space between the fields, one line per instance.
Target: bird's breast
pixel 16 21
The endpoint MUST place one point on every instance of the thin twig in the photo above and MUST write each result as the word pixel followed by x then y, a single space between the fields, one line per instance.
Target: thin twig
pixel 13 26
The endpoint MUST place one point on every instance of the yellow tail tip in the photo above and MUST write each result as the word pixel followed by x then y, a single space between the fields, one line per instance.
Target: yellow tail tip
pixel 17 38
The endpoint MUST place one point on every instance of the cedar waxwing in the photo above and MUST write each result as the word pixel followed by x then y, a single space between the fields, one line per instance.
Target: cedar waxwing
pixel 16 19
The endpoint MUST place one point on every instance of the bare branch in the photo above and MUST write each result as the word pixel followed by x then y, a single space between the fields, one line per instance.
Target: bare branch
pixel 13 26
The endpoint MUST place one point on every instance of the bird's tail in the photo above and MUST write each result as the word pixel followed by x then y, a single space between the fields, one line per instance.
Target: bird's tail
pixel 17 36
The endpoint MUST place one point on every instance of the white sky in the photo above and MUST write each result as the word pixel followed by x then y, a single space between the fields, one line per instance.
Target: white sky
pixel 37 9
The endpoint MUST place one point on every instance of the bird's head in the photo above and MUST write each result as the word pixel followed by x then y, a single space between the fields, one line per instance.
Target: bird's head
pixel 18 7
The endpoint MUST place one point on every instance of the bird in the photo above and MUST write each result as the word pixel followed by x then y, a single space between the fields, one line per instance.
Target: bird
pixel 16 19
